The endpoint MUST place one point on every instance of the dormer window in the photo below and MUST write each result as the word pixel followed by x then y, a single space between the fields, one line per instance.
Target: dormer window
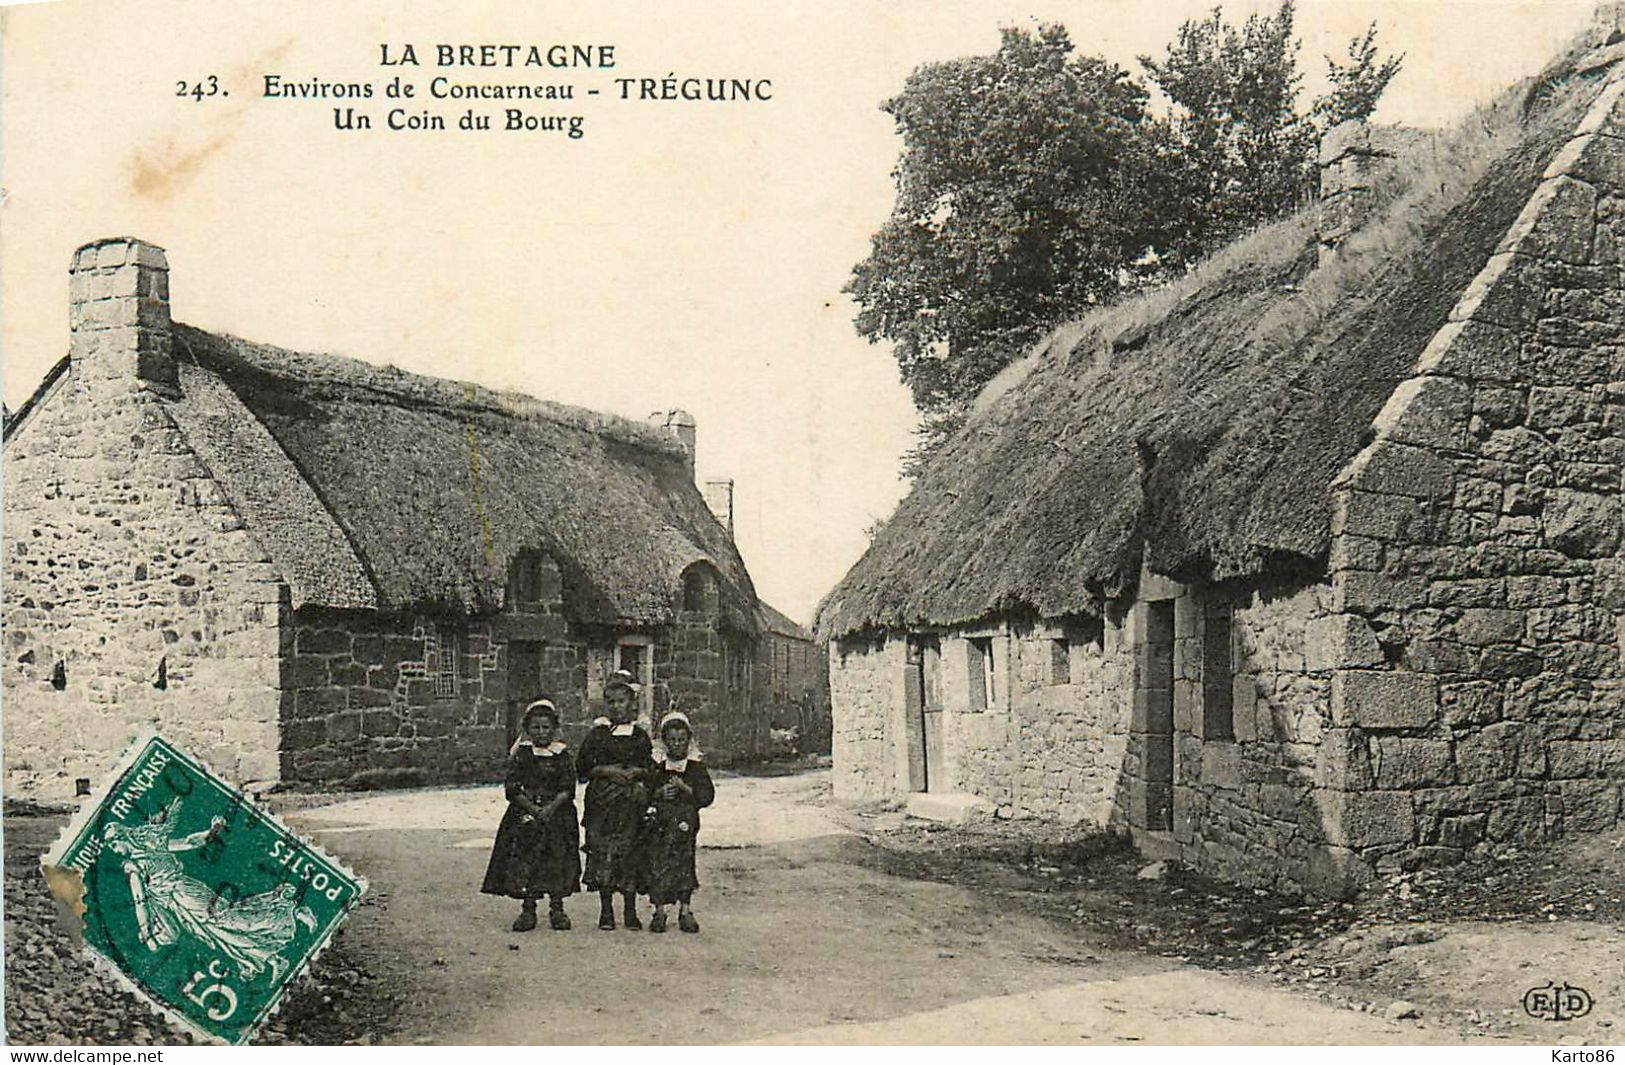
pixel 528 583
pixel 700 589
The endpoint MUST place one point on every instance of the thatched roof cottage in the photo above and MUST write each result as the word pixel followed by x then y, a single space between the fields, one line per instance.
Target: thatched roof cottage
pixel 308 568
pixel 792 682
pixel 1307 564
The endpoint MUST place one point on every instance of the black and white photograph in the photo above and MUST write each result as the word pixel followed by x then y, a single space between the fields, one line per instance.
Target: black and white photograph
pixel 1084 523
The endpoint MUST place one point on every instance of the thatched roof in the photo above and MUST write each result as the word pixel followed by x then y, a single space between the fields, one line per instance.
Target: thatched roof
pixel 781 624
pixel 1199 426
pixel 375 488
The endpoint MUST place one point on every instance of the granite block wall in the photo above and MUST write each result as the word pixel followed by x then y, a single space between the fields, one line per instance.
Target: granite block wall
pixel 134 597
pixel 1477 555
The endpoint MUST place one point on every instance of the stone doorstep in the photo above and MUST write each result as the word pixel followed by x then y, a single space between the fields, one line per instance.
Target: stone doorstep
pixel 951 808
pixel 1156 846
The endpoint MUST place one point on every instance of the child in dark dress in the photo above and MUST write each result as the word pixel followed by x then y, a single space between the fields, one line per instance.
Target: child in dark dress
pixel 537 850
pixel 614 759
pixel 679 787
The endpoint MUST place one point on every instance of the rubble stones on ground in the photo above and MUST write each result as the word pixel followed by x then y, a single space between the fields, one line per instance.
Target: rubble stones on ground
pixel 1341 951
pixel 1401 1010
pixel 55 996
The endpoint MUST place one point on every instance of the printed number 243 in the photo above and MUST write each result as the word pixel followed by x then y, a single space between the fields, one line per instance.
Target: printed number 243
pixel 197 90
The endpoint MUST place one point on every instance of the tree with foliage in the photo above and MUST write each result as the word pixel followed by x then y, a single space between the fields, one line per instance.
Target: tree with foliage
pixel 1012 209
pixel 1358 84
pixel 1035 182
pixel 1246 154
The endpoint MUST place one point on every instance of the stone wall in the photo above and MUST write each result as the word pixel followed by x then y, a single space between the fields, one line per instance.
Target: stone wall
pixel 384 700
pixel 792 688
pixel 866 690
pixel 1242 710
pixel 1053 745
pixel 1070 737
pixel 707 673
pixel 372 699
pixel 1477 550
pixel 134 597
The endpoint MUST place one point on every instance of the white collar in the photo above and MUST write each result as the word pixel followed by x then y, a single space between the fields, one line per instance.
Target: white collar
pixel 603 722
pixel 678 766
pixel 623 730
pixel 541 752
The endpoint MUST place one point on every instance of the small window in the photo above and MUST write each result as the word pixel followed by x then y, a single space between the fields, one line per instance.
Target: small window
pixel 1060 661
pixel 982 673
pixel 443 663
pixel 1218 673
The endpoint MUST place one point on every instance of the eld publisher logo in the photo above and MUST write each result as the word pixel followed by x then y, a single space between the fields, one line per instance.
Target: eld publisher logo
pixel 1557 1002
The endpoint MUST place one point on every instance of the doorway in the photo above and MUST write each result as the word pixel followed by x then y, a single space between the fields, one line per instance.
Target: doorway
pixel 1157 689
pixel 922 691
pixel 524 681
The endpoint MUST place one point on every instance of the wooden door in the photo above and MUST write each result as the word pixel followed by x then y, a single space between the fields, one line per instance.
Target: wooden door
pixel 914 716
pixel 1157 681
pixel 922 717
pixel 936 778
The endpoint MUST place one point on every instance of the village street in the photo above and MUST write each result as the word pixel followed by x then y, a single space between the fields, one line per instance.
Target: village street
pixel 801 942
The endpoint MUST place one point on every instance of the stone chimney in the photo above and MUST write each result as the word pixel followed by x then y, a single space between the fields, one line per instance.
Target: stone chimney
pixel 719 496
pixel 680 424
pixel 118 315
pixel 1353 156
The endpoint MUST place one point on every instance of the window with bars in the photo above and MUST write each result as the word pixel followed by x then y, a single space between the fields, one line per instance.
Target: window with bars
pixel 442 662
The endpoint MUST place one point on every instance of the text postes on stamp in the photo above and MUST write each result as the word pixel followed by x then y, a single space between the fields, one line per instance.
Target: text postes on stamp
pixel 198 899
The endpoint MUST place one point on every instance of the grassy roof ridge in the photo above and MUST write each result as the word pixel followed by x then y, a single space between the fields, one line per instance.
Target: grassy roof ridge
pixel 1435 170
pixel 393 385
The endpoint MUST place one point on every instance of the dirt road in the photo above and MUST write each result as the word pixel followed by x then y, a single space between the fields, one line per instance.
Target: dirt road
pixel 803 941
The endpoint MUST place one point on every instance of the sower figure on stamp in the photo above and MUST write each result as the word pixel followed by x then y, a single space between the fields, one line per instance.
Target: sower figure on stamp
pixel 614 758
pixel 537 850
pixel 169 904
pixel 679 787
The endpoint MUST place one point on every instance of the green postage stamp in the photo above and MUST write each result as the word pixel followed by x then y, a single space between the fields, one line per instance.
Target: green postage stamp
pixel 197 898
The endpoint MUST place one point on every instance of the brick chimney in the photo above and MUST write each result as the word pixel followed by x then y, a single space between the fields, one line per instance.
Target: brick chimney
pixel 680 424
pixel 118 315
pixel 719 496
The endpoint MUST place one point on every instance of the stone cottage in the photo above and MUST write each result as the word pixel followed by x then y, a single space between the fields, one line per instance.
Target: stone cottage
pixel 792 681
pixel 310 569
pixel 1308 564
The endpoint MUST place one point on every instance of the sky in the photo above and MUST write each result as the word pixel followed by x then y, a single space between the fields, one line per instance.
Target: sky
pixel 678 254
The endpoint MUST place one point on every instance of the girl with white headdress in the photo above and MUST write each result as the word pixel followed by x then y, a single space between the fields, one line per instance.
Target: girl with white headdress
pixel 614 757
pixel 679 787
pixel 537 849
